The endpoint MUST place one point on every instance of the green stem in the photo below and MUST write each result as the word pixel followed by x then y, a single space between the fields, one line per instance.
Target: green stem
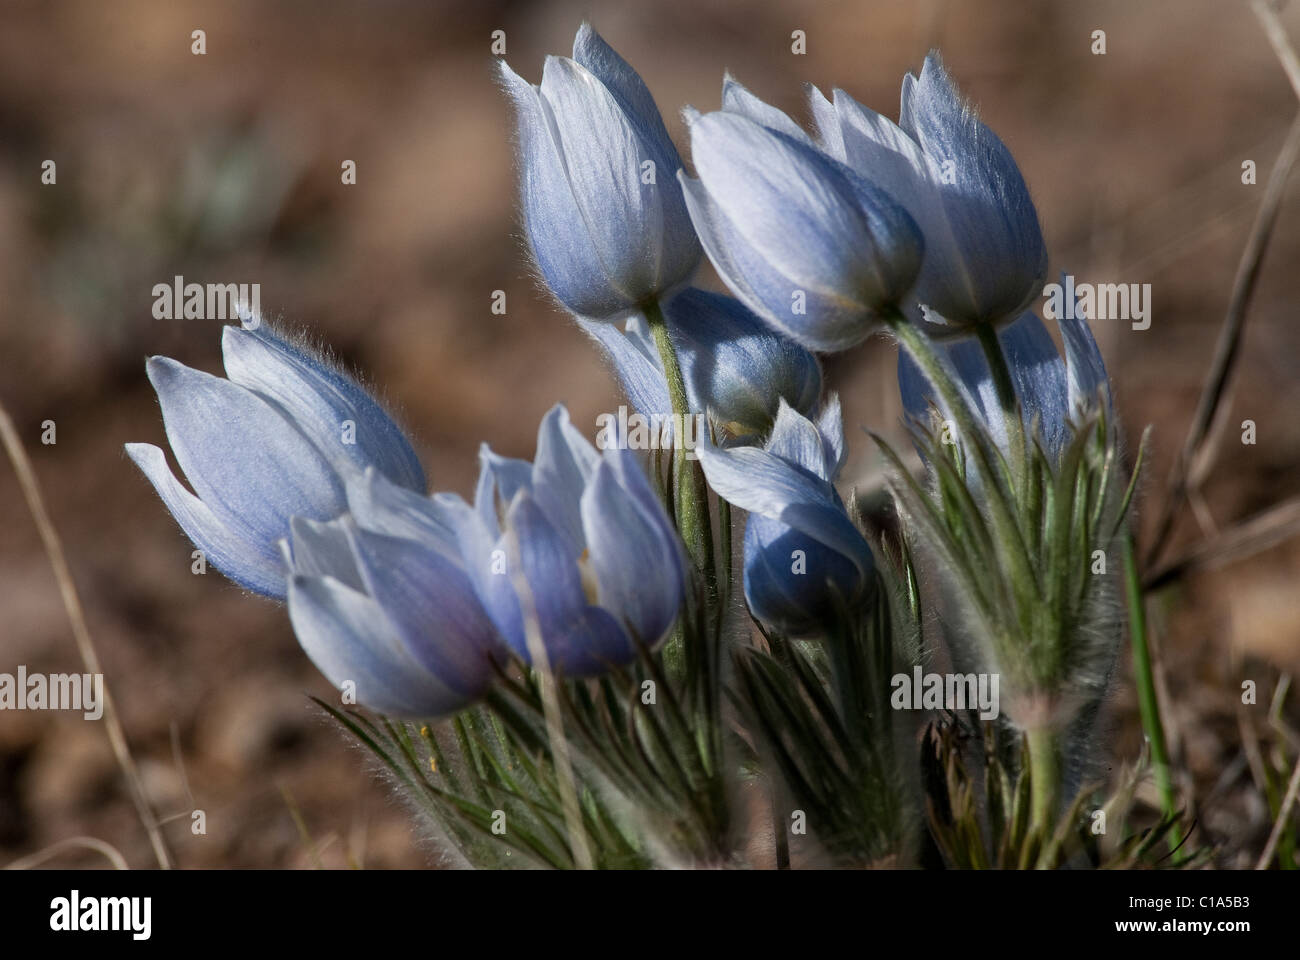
pixel 1007 400
pixel 1045 779
pixel 692 503
pixel 1000 496
pixel 1144 679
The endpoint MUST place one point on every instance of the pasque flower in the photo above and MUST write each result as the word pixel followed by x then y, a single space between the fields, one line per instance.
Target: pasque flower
pixel 602 208
pixel 736 368
pixel 380 598
pixel 812 247
pixel 277 439
pixel 984 253
pixel 1052 392
pixel 801 548
pixel 585 535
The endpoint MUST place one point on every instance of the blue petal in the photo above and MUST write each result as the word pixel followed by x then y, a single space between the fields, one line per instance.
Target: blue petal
pixel 830 424
pixel 765 484
pixel 349 639
pixel 378 504
pixel 798 604
pixel 499 479
pixel 324 550
pixel 830 323
pixel 432 605
pixel 565 463
pixel 1084 368
pixel 638 371
pixel 829 136
pixel 735 365
pixel 318 399
pixel 633 550
pixel 989 209
pixel 246 462
pixel 581 638
pixel 557 229
pixel 736 98
pixel 252 564
pixel 794 204
pixel 797 440
pixel 679 250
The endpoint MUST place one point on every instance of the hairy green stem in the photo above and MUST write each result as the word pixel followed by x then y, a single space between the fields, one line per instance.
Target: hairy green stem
pixel 1045 780
pixel 1144 680
pixel 692 501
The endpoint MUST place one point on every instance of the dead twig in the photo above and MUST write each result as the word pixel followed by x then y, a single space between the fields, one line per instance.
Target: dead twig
pixel 76 616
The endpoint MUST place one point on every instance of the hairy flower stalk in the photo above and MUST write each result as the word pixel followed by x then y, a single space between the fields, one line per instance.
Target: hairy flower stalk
pixel 1042 604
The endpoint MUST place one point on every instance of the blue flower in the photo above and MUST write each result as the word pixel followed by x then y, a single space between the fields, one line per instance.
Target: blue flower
pixel 984 253
pixel 736 368
pixel 277 439
pixel 380 598
pixel 801 548
pixel 582 540
pixel 813 248
pixel 1052 392
pixel 602 208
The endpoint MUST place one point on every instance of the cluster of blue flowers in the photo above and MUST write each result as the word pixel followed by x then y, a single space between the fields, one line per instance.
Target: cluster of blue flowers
pixel 823 240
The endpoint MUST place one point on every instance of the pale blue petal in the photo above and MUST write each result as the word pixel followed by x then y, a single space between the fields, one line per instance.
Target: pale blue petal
pixel 320 400
pixel 638 371
pixel 793 204
pixel 829 323
pixel 565 462
pixel 829 136
pixel 246 462
pixel 797 440
pixel 433 607
pixel 558 232
pixel 378 504
pixel 763 483
pixel 603 154
pixel 830 424
pixel 736 98
pixel 253 564
pixel 581 638
pixel 324 550
pixel 349 639
pixel 499 479
pixel 796 603
pixel 735 365
pixel 993 220
pixel 633 552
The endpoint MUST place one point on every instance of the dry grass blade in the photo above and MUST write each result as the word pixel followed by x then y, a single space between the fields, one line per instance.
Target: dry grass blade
pixel 89 657
pixel 1283 815
pixel 1260 532
pixel 1197 455
pixel 109 852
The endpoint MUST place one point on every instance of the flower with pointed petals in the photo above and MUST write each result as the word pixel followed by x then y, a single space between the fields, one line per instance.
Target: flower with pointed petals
pixel 586 536
pixel 736 368
pixel 277 439
pixel 1052 392
pixel 801 548
pixel 984 254
pixel 813 248
pixel 380 598
pixel 602 208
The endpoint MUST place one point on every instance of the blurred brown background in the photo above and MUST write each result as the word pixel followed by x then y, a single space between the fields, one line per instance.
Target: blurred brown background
pixel 226 168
